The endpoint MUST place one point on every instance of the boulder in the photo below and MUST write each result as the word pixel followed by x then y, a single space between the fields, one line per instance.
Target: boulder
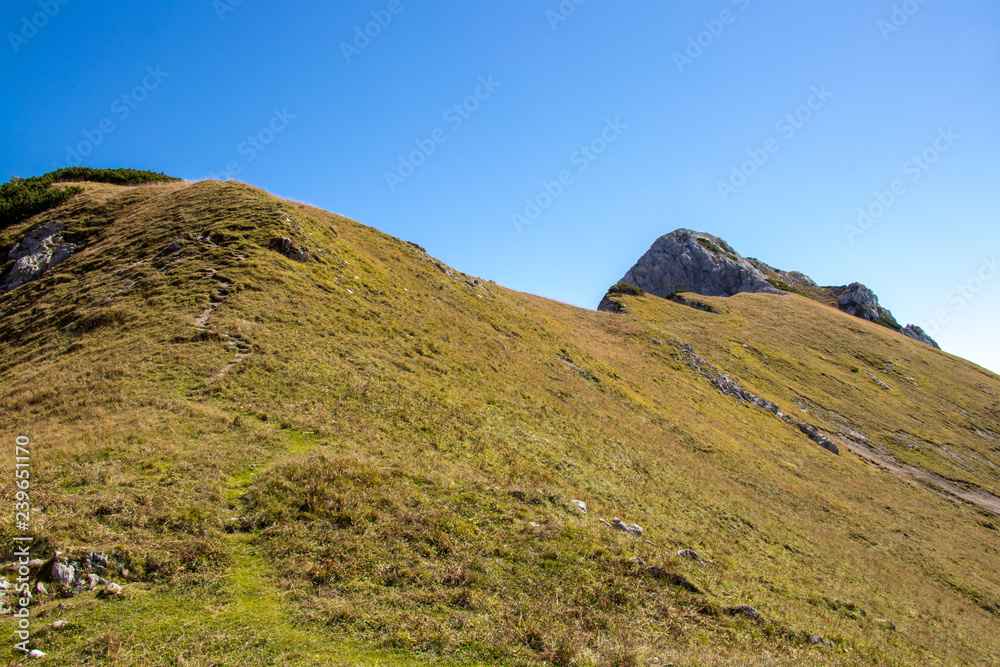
pixel 38 252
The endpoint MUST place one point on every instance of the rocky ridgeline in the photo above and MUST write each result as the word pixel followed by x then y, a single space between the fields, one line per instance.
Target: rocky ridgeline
pixel 689 261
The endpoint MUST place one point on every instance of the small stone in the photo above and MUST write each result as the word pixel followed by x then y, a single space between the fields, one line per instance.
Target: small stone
pixel 816 639
pixel 36 562
pixel 746 611
pixel 59 625
pixel 93 581
pixel 114 588
pixel 65 605
pixel 688 553
pixel 886 623
pixel 36 654
pixel 40 587
pixel 580 505
pixel 657 571
pixel 63 574
pixel 630 528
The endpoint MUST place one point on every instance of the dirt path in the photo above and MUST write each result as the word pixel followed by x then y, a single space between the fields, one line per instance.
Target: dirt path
pixel 978 497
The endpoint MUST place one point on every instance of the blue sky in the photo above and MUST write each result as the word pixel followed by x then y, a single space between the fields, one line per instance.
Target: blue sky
pixel 601 125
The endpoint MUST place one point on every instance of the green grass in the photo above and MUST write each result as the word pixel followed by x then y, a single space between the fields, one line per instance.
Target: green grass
pixel 364 460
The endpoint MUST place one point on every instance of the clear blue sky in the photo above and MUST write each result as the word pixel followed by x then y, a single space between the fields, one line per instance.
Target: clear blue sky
pixel 663 130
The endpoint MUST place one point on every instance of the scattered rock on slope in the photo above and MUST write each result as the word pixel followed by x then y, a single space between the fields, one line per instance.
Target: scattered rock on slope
pixel 38 252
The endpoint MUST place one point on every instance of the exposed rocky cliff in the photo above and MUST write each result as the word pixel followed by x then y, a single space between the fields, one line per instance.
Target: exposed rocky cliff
pixel 690 261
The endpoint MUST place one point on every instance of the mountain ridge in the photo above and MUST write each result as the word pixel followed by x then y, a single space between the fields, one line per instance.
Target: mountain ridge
pixel 688 261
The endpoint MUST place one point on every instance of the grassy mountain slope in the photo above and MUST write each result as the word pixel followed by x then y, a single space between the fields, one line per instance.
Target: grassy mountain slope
pixel 368 458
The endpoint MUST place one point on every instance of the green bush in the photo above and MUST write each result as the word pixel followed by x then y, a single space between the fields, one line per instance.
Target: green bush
pixel 22 198
pixel 625 288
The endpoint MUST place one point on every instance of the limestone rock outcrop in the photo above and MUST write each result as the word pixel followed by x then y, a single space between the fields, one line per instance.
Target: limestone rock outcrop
pixel 38 252
pixel 689 261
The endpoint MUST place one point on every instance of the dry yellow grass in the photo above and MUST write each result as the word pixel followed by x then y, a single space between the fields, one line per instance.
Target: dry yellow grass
pixel 368 459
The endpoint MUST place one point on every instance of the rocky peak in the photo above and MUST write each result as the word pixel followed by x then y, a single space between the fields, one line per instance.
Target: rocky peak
pixel 690 261
pixel 856 299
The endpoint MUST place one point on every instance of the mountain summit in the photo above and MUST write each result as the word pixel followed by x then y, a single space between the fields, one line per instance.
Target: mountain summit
pixel 689 261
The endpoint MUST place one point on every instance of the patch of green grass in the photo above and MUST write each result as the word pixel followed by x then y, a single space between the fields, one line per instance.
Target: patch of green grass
pixel 625 288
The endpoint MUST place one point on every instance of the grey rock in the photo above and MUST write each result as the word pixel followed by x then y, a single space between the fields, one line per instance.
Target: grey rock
pixel 290 249
pixel 630 528
pixel 59 625
pixel 816 639
pixel 93 581
pixel 856 299
pixel 818 437
pixel 113 588
pixel 916 333
pixel 99 559
pixel 688 553
pixel 63 573
pixel 40 587
pixel 743 610
pixel 690 261
pixel 35 562
pixel 609 305
pixel 36 654
pixel 580 505
pixel 38 252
